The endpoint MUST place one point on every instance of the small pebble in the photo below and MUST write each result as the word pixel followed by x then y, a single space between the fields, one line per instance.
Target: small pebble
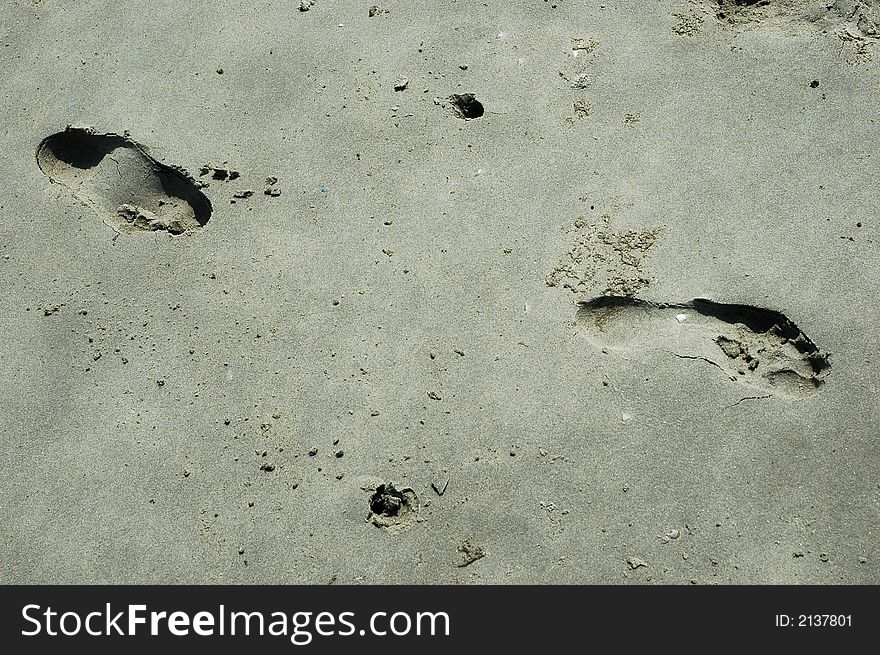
pixel 634 562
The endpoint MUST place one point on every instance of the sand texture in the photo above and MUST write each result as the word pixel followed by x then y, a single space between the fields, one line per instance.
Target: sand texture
pixel 440 292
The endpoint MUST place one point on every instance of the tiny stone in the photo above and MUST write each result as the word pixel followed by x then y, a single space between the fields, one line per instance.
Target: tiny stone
pixel 634 562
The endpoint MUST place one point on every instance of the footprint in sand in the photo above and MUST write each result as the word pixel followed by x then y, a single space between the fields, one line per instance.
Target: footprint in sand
pixel 122 183
pixel 759 347
pixel 849 19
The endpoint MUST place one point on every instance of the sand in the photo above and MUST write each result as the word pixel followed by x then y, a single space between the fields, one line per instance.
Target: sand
pixel 440 292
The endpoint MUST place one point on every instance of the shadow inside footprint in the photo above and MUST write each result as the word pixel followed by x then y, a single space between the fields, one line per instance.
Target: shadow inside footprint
pixel 757 346
pixel 122 183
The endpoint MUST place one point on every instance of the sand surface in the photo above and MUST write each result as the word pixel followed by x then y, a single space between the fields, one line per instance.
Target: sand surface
pixel 442 291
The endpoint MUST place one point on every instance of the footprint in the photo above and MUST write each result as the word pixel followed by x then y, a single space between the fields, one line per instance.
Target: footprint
pixel 849 19
pixel 756 346
pixel 122 183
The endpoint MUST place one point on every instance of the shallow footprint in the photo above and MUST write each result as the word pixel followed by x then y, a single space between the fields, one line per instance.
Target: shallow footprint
pixel 122 183
pixel 852 20
pixel 757 346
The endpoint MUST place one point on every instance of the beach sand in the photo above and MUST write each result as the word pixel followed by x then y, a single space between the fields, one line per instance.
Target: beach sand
pixel 440 292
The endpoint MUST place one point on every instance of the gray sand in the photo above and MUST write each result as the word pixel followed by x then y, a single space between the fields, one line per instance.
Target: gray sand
pixel 375 354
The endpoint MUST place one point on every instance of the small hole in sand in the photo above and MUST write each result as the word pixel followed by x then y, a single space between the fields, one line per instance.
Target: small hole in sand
pixel 466 105
pixel 390 506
